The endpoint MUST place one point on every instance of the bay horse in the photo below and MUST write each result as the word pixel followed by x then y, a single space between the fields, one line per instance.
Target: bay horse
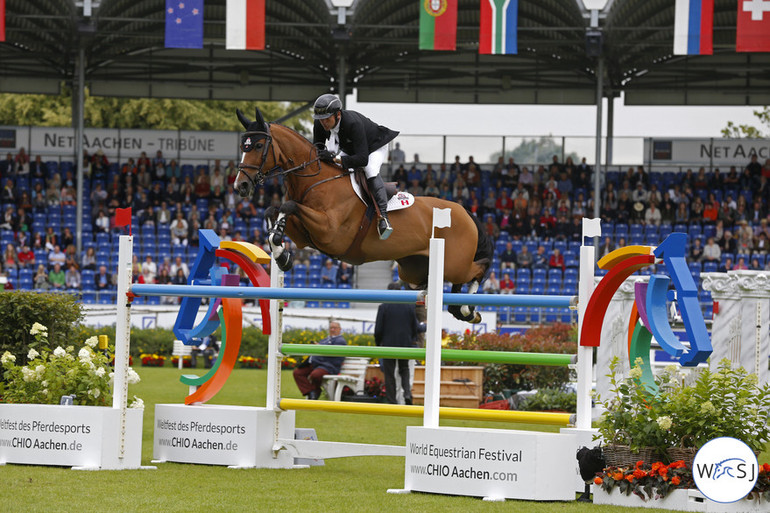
pixel 323 212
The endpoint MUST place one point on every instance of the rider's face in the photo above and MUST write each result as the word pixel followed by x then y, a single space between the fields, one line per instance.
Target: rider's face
pixel 330 122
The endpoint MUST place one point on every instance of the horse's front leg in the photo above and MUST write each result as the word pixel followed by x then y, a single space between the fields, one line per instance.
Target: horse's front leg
pixel 276 233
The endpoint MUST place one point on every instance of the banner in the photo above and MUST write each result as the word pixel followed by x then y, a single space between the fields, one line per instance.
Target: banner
pixel 753 33
pixel 694 27
pixel 184 23
pixel 245 25
pixel 438 24
pixel 2 20
pixel 498 26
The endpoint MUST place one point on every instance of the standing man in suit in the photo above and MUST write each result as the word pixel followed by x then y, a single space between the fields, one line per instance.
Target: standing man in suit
pixel 396 326
pixel 360 143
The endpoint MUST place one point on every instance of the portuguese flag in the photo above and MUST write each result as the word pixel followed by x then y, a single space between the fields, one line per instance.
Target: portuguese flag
pixel 438 24
pixel 497 30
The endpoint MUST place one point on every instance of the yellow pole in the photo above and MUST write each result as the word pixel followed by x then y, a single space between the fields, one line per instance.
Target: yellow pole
pixel 400 410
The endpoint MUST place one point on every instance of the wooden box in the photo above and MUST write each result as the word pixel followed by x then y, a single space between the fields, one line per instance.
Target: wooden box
pixel 461 386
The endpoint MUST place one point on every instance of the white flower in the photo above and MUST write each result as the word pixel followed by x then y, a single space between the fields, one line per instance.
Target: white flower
pixel 111 375
pixel 137 403
pixel 38 328
pixel 44 392
pixel 85 354
pixel 44 383
pixel 70 349
pixel 7 358
pixel 94 392
pixel 28 374
pixel 664 422
pixel 707 407
pixel 100 372
pixel 133 377
pixel 39 370
pixel 91 342
pixel 636 372
pixel 32 354
pixel 59 352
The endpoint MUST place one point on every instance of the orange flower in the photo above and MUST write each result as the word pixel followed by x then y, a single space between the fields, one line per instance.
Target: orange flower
pixel 630 478
pixel 675 480
pixel 677 464
pixel 617 476
pixel 639 464
pixel 766 467
pixel 639 473
pixel 598 480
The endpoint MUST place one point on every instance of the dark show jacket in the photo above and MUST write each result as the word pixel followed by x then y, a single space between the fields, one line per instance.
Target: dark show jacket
pixel 359 136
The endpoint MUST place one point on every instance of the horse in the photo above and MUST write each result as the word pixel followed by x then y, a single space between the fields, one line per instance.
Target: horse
pixel 322 211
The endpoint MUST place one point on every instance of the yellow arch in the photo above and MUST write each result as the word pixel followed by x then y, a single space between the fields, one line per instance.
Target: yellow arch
pixel 253 252
pixel 611 259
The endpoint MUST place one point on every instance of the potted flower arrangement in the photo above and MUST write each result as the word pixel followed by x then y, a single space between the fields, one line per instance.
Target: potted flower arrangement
pixel 55 406
pixel 652 431
pixel 186 361
pixel 152 360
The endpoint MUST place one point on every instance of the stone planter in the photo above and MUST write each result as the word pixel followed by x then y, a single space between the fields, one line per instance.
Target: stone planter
pixel 83 437
pixel 686 499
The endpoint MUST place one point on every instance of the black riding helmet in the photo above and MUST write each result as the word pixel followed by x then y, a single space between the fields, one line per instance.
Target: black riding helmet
pixel 326 105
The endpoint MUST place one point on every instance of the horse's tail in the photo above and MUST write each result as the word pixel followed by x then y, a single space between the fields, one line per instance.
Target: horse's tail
pixel 485 248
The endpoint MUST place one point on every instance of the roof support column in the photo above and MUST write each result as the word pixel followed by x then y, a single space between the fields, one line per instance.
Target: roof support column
pixel 342 78
pixel 598 165
pixel 80 85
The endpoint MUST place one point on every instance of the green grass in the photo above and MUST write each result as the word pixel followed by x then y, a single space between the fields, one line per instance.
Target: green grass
pixel 345 484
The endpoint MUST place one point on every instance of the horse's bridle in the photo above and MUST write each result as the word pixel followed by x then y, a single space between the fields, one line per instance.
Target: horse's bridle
pixel 247 144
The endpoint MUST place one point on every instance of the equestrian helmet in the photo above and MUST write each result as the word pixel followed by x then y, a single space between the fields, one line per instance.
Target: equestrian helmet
pixel 326 105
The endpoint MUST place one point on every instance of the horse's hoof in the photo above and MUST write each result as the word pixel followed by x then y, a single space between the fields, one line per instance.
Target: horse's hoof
pixel 284 261
pixel 476 318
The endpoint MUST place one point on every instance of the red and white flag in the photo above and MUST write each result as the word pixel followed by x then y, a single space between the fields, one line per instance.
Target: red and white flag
pixel 245 25
pixel 753 34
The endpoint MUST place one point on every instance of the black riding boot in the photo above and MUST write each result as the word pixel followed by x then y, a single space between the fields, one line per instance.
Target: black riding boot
pixel 377 188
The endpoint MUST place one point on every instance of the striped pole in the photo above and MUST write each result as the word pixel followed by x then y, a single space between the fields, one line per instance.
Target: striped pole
pixel 354 295
pixel 400 410
pixel 418 353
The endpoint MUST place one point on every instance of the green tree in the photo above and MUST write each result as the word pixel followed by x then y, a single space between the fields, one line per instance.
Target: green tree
pixel 535 151
pixel 734 131
pixel 143 113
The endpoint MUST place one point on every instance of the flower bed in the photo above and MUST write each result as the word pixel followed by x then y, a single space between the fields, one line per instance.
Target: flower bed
pixel 186 361
pixel 153 360
pixel 249 362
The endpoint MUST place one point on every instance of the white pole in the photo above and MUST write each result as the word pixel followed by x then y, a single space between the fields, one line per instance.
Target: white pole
pixel 122 336
pixel 274 341
pixel 435 299
pixel 585 354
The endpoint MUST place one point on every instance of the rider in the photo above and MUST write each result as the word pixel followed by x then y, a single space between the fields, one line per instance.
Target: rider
pixel 360 142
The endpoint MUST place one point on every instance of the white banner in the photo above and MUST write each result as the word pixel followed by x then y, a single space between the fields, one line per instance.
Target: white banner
pixel 705 152
pixel 491 463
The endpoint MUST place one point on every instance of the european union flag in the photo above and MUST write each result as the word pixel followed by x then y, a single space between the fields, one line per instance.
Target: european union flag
pixel 184 23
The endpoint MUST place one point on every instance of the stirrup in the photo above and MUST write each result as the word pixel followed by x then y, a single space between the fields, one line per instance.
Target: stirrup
pixel 384 231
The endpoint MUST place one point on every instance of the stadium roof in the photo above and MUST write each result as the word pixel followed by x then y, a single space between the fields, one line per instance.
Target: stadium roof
pixel 377 52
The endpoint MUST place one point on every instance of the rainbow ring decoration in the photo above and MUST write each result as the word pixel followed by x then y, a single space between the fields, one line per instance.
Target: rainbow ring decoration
pixel 648 316
pixel 226 313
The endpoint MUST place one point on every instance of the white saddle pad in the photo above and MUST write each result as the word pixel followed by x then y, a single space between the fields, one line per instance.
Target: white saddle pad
pixel 397 202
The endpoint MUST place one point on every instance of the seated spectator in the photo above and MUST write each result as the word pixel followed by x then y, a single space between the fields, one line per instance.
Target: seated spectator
pixel 89 259
pixel 508 257
pixel 728 243
pixel 524 258
pixel 71 257
pixel 329 273
pixel 491 285
pixel 9 219
pixel 696 251
pixel 67 238
pixel 741 265
pixel 540 260
pixel 745 237
pixel 755 265
pixel 727 266
pixel 345 274
pixel 26 257
pixel 10 258
pixel 711 251
pixel 652 216
pixel 151 267
pixel 507 286
pixel 557 260
pixel 41 278
pixel 72 278
pixel 103 280
pixel 309 375
pixel 57 256
pixel 180 265
pixel 57 278
pixel 606 248
pixel 179 229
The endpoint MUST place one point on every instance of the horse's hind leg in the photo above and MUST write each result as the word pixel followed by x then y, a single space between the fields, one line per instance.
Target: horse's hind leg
pixel 465 313
pixel 276 233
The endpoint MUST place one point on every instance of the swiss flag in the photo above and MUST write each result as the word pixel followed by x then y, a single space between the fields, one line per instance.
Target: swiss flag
pixel 753 34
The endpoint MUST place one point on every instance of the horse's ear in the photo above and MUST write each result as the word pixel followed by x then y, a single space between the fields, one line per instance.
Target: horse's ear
pixel 259 119
pixel 243 119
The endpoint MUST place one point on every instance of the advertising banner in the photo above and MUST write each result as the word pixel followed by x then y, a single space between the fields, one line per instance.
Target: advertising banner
pixel 705 152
